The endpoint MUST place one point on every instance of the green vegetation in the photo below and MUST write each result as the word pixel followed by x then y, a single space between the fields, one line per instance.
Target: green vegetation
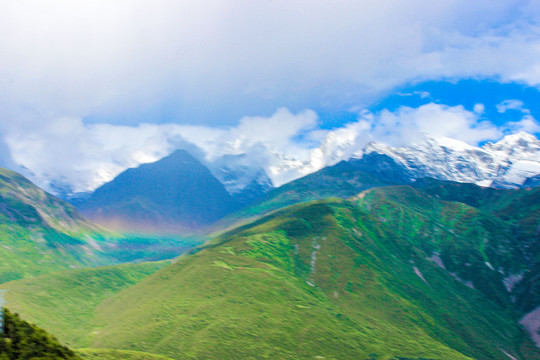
pixel 41 234
pixel 520 209
pixel 23 341
pixel 324 279
pixel 395 272
pixel 475 246
pixel 64 303
pixel 342 180
pixel 107 354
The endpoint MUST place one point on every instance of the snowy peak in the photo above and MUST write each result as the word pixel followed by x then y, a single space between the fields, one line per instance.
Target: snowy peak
pixel 507 163
pixel 521 138
pixel 337 146
pixel 520 145
pixel 238 172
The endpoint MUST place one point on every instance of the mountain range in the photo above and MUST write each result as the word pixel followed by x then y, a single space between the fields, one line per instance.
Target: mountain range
pixel 507 163
pixel 378 256
pixel 181 193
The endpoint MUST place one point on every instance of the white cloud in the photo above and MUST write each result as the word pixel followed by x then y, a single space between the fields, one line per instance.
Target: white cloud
pixel 275 132
pixel 85 156
pixel 479 108
pixel 527 124
pixel 100 58
pixel 407 125
pixel 512 104
pixel 286 145
pixel 421 94
pixel 183 72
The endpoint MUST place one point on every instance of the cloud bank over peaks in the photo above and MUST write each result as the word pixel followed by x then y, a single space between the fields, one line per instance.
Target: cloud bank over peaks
pixel 66 154
pixel 407 125
pixel 453 125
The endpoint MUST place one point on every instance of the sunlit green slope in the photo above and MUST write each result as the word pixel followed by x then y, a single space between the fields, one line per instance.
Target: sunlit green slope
pixel 520 209
pixel 476 247
pixel 65 303
pixel 107 354
pixel 321 279
pixel 40 233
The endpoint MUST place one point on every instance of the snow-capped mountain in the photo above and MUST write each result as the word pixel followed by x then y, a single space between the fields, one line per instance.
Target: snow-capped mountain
pixel 338 145
pixel 507 163
pixel 237 172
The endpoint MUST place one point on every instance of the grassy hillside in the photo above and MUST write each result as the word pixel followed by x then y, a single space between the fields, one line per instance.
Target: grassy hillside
pixel 518 208
pixel 65 303
pixel 41 234
pixel 323 279
pixel 107 354
pixel 478 248
pixel 341 180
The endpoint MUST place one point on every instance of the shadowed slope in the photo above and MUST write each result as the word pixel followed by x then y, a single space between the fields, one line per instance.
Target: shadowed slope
pixel 176 193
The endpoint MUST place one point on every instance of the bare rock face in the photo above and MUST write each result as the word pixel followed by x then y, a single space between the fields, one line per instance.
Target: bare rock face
pixel 531 322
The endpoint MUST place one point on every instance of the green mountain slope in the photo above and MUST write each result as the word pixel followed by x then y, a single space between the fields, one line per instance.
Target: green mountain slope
pixel 21 341
pixel 341 180
pixel 107 354
pixel 40 233
pixel 65 303
pixel 476 247
pixel 324 279
pixel 512 215
pixel 518 208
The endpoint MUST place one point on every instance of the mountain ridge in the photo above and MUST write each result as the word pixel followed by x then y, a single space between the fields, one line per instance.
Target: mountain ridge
pixel 176 193
pixel 41 233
